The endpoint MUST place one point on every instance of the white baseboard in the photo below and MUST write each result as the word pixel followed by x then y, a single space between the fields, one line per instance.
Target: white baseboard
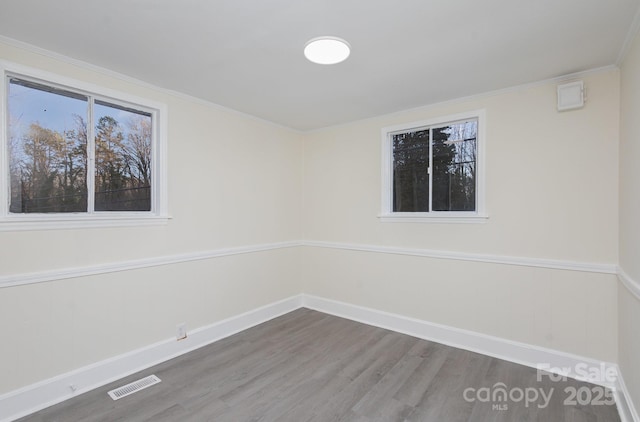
pixel 512 351
pixel 38 396
pixel 46 393
pixel 627 410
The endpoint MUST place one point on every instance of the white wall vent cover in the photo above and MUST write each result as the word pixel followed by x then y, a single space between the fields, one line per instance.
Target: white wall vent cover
pixel 134 387
pixel 571 96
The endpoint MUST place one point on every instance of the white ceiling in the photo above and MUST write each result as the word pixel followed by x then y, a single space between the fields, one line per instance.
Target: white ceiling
pixel 247 54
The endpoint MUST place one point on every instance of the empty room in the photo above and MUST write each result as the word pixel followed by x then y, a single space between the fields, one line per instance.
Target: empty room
pixel 322 210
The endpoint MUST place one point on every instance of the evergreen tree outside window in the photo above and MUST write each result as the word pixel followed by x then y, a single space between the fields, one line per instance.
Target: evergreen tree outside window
pixel 433 170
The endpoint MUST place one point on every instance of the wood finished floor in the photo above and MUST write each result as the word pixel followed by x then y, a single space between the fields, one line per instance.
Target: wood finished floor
pixel 309 366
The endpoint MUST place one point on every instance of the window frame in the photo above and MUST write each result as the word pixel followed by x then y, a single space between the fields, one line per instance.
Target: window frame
pixel 388 215
pixel 46 221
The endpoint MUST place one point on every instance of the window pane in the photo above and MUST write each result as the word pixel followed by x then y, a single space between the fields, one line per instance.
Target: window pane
pixel 123 158
pixel 454 167
pixel 410 171
pixel 47 135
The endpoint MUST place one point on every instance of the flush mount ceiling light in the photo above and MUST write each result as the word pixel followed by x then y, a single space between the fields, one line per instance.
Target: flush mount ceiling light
pixel 327 50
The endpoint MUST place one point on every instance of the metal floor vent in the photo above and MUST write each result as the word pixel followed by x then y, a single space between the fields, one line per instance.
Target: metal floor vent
pixel 134 387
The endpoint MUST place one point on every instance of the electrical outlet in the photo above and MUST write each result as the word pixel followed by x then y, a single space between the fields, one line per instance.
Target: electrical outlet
pixel 181 331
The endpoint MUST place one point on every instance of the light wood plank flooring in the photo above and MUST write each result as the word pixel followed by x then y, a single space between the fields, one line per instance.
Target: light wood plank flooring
pixel 309 366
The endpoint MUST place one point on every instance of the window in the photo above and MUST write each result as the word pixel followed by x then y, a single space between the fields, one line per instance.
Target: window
pixel 433 170
pixel 78 156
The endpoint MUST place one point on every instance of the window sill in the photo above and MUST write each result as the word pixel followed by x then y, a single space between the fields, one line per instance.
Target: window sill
pixel 457 218
pixel 78 221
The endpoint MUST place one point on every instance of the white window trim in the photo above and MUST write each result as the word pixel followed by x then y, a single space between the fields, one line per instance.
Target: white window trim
pixel 159 213
pixel 388 216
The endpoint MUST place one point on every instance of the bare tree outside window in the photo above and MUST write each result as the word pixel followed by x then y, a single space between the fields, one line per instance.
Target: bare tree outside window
pixel 49 146
pixel 47 150
pixel 454 167
pixel 123 159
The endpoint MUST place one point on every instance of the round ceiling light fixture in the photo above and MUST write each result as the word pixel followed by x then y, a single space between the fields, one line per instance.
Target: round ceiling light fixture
pixel 327 50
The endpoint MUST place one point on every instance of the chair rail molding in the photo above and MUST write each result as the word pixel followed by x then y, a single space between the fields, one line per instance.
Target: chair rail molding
pixel 75 272
pixel 474 257
pixel 632 285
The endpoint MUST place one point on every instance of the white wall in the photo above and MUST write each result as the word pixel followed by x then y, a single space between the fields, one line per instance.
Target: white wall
pixel 629 305
pixel 233 181
pixel 551 194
